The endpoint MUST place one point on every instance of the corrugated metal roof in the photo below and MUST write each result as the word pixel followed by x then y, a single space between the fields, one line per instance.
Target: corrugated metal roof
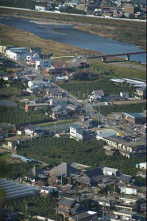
pixel 14 190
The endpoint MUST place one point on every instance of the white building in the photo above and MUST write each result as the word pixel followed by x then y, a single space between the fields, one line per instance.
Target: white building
pixel 142 165
pixel 29 132
pixel 76 133
pixel 17 53
pixel 62 78
pixel 108 171
pixel 41 218
pixel 12 55
pixel 48 189
pixel 128 190
pixel 96 95
pixel 40 8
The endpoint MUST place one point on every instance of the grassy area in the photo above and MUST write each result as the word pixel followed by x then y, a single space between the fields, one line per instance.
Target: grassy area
pixel 122 108
pixel 127 31
pixel 9 92
pixel 18 116
pixel 34 205
pixel 82 89
pixel 56 150
pixel 12 36
pixel 104 72
pixel 120 70
pixel 56 123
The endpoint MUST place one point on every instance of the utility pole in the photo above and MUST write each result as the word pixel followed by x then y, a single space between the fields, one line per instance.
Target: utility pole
pixel 98 115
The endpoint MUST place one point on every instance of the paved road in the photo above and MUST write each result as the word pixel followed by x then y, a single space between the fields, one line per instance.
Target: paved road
pixel 78 15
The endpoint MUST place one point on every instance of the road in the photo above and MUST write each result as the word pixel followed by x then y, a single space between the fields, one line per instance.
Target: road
pixel 84 104
pixel 78 15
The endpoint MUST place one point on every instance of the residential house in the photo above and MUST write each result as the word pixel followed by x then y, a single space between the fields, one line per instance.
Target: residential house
pixel 62 78
pixel 141 93
pixel 96 95
pixel 127 8
pixel 40 8
pixel 78 133
pixel 135 118
pixel 108 150
pixel 84 181
pixel 104 202
pixel 17 53
pixel 88 177
pixel 124 147
pixel 107 11
pixel 108 171
pixel 85 216
pixel 104 181
pixel 2 49
pixel 142 166
pixel 48 189
pixel 69 207
pixel 41 218
pixel 124 178
pixel 90 123
pixel 128 200
pixel 58 112
pixel 29 132
pixel 10 145
pixel 79 166
pixel 63 169
pixel 128 190
pixel 124 212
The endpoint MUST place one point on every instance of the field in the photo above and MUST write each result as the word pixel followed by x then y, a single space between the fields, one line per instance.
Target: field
pixel 81 89
pixel 18 116
pixel 125 31
pixel 102 74
pixel 119 70
pixel 122 108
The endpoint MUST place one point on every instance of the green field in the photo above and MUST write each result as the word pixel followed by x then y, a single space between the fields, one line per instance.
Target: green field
pixel 120 70
pixel 18 116
pixel 122 108
pixel 81 89
pixel 104 72
pixel 57 150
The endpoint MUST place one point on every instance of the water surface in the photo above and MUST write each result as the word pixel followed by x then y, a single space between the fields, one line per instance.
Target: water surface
pixel 68 34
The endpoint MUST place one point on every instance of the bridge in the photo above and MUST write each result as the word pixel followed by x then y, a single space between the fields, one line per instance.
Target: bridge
pixel 127 54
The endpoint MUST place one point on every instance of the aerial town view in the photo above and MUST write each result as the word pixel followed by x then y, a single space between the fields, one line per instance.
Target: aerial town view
pixel 73 110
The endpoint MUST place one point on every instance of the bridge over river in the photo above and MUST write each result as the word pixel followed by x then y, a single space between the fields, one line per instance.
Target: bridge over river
pixel 105 56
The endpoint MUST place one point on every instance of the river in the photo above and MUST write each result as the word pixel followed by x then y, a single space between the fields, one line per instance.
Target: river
pixel 66 33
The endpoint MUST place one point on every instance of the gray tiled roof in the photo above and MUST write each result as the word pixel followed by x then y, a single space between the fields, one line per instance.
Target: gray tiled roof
pixel 64 169
pixel 67 202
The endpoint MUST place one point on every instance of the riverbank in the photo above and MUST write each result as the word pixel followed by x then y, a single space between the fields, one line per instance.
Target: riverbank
pixel 124 31
pixel 11 36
